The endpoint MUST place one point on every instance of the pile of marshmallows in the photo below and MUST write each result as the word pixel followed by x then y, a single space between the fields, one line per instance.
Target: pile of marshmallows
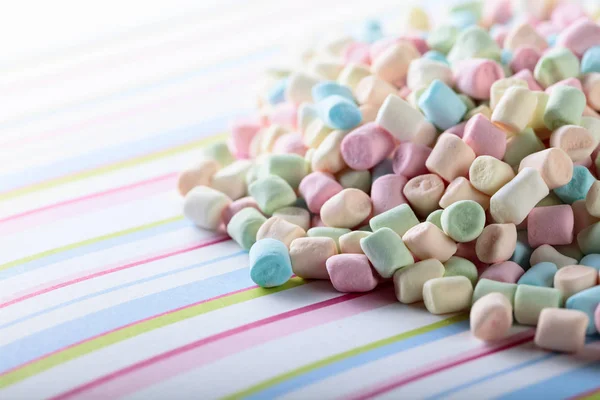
pixel 461 163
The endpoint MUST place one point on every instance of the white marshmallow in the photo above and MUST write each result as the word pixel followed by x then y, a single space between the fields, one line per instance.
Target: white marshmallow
pixel 204 206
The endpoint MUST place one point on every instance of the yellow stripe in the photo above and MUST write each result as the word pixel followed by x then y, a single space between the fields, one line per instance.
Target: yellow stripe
pixel 63 180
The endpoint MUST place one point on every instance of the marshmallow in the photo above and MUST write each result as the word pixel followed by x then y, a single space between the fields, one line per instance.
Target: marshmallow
pixel 561 330
pixel 244 225
pixel 450 158
pixel 309 256
pixel 496 243
pixel 346 209
pixel 366 146
pixel 386 251
pixel 402 121
pixel 409 281
pixel 547 253
pixel 447 295
pixel 350 242
pixel 205 206
pixel 424 193
pixel 351 273
pixel 488 174
pixel 270 264
pixel 280 229
pixel 554 165
pixel 199 175
pixel 515 109
pixel 461 189
pixel 294 215
pixel 491 317
pixel 426 240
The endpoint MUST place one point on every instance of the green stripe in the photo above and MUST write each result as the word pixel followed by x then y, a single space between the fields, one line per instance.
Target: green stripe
pixel 63 180
pixel 134 330
pixel 86 242
pixel 347 354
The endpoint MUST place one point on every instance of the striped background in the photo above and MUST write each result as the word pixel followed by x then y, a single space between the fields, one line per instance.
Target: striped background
pixel 107 292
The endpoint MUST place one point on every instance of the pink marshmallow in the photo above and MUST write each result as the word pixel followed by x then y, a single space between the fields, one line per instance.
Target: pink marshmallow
pixel 484 137
pixel 366 146
pixel 242 133
pixel 457 130
pixel 579 36
pixel 409 159
pixel 551 225
pixel 507 271
pixel 351 273
pixel 573 82
pixel 238 205
pixel 566 14
pixel 526 57
pixel 386 193
pixel 527 76
pixel 284 114
pixel 497 12
pixel 290 143
pixel 317 188
pixel 357 53
pixel 476 76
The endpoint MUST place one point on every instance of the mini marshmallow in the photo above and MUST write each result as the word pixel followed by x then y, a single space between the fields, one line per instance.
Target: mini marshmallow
pixel 315 134
pixel 316 188
pixel 547 253
pixel 280 229
pixel 525 58
pixel 309 256
pixel 476 76
pixel 424 193
pixel 484 137
pixel 463 221
pixel 515 109
pixel 426 240
pixel 580 36
pixel 488 174
pixel 516 199
pixel 350 242
pixel 272 193
pixel 554 165
pixel 541 274
pixel 219 152
pixel 270 264
pixel 199 175
pixel 528 77
pixel 450 158
pixel 474 42
pixel 386 251
pixel 506 271
pixel 461 189
pixel 531 300
pixel 324 89
pixel 524 35
pixel 366 146
pixel 459 266
pixel 351 273
pixel 555 65
pixel 244 226
pixel 409 159
pixel 294 215
pixel 491 317
pixel 374 91
pixel 231 180
pixel 576 141
pixel 550 225
pixel 447 295
pixel 496 243
pixel 561 330
pixel 399 219
pixel 324 231
pixel 402 121
pixel 236 206
pixel 486 286
pixel 205 206
pixel 328 157
pixel 409 281
pixel 578 187
pixel 386 193
pixel 573 279
pixel 520 146
pixel 392 64
pixel 441 105
pixel 565 106
pixel 338 112
pixel 501 86
pixel 423 71
pixel 346 209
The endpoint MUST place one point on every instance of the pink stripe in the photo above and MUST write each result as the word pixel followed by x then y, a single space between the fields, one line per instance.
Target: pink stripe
pixel 442 365
pixel 127 326
pixel 113 270
pixel 119 195
pixel 213 348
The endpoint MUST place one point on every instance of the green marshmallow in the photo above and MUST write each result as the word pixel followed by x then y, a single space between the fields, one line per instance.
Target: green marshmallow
pixel 436 218
pixel 244 225
pixel 323 231
pixel 399 219
pixel 219 152
pixel 360 180
pixel 531 300
pixel 520 146
pixel 442 39
pixel 291 167
pixel 565 106
pixel 589 239
pixel 486 286
pixel 474 42
pixel 458 266
pixel 386 251
pixel 463 221
pixel 556 65
pixel 272 193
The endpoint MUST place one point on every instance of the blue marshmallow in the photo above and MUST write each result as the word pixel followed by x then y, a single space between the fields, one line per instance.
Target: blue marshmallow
pixel 338 112
pixel 441 105
pixel 541 274
pixel 270 263
pixel 586 301
pixel 436 56
pixel 578 187
pixel 325 89
pixel 591 60
pixel 591 260
pixel 370 31
pixel 277 93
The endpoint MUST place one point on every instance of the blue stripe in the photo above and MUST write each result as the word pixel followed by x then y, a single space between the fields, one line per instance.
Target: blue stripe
pixel 339 367
pixel 569 384
pixel 94 247
pixel 140 89
pixel 71 332
pixel 120 152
